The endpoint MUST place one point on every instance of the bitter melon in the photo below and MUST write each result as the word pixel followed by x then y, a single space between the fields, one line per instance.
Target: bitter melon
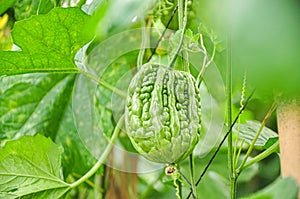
pixel 162 113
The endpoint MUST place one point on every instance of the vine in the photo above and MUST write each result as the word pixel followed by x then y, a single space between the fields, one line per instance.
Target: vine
pixel 182 15
pixel 104 155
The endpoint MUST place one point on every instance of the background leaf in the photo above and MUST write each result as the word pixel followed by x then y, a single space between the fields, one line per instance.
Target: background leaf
pixel 30 167
pixel 41 103
pixel 5 4
pixel 25 8
pixel 33 104
pixel 48 43
pixel 282 188
pixel 96 108
pixel 76 159
pixel 215 177
pixel 249 130
pixel 215 186
pixel 128 11
pixel 248 173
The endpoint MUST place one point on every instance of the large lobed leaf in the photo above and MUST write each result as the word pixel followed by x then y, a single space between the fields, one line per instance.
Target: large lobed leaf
pixel 30 168
pixel 40 103
pixel 48 42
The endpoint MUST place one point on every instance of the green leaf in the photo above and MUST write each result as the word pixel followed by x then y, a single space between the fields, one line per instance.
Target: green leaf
pixel 128 12
pixel 76 158
pixel 24 9
pixel 5 4
pixel 282 188
pixel 248 173
pixel 30 168
pixel 48 43
pixel 89 129
pixel 216 171
pixel 41 103
pixel 151 186
pixel 270 142
pixel 217 166
pixel 33 103
pixel 215 186
pixel 248 131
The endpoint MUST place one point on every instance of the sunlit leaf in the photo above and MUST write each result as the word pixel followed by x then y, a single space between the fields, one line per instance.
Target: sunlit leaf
pixel 30 168
pixel 48 43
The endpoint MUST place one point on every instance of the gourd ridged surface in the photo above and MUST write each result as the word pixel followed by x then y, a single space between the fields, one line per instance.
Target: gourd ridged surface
pixel 163 113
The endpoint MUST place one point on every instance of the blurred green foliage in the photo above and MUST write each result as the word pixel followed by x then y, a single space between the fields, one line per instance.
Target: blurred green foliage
pixel 265 41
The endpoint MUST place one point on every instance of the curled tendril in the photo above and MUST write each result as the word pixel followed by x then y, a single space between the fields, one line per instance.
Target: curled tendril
pixel 171 170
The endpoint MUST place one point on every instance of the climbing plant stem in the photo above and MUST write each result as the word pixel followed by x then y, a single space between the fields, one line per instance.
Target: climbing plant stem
pixel 180 9
pixel 103 156
pixel 231 168
pixel 180 14
pixel 193 185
